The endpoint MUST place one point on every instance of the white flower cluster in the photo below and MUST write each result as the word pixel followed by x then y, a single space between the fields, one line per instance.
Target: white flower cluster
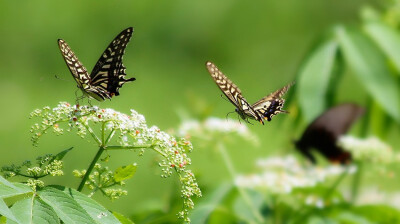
pixel 211 126
pixel 282 175
pixel 133 133
pixel 370 149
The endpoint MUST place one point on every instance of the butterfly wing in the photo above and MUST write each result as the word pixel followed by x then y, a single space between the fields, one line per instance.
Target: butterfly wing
pixel 231 91
pixel 325 130
pixel 79 72
pixel 109 72
pixel 272 104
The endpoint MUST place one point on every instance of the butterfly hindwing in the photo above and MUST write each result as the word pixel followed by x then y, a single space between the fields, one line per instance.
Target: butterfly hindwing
pixel 272 104
pixel 108 74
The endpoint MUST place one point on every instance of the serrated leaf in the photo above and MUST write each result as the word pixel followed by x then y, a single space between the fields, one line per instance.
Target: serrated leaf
pixel 5 211
pixel 22 211
pixel 369 65
pixel 313 79
pixel 61 154
pixel 11 190
pixel 33 211
pixel 98 213
pixel 122 218
pixel 125 172
pixel 388 40
pixel 66 207
pixel 43 213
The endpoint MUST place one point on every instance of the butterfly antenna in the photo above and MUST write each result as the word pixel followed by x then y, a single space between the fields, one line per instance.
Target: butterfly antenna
pixel 222 96
pixel 228 114
pixel 58 77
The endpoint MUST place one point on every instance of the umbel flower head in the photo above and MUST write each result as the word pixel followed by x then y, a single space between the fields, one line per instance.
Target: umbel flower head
pixel 132 132
pixel 370 150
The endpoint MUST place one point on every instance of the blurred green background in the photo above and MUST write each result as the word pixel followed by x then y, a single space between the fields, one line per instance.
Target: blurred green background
pixel 258 44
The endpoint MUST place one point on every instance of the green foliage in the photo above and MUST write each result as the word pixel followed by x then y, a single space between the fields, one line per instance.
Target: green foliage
pixel 371 52
pixel 50 205
pixel 125 172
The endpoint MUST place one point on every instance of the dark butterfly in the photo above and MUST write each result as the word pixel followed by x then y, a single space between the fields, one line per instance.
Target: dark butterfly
pixel 264 109
pixel 108 75
pixel 323 133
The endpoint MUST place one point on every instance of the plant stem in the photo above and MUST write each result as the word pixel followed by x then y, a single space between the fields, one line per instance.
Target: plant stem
pixel 327 194
pixel 91 166
pixel 335 184
pixel 116 147
pixel 356 182
pixel 242 192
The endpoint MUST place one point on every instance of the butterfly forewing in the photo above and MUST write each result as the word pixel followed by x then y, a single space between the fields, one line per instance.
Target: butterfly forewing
pixel 75 66
pixel 109 72
pixel 231 91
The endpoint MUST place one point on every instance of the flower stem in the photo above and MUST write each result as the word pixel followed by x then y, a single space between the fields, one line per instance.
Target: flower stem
pixel 242 192
pixel 328 193
pixel 91 166
pixel 356 182
pixel 116 147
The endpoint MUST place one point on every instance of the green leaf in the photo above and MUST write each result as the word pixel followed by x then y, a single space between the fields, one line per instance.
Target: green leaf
pixel 125 172
pixel 61 154
pixel 5 211
pixel 387 39
pixel 378 213
pixel 369 66
pixel 11 190
pixel 66 207
pixel 22 211
pixel 209 204
pixel 43 213
pixel 351 218
pixel 98 213
pixel 33 210
pixel 243 209
pixel 313 79
pixel 122 219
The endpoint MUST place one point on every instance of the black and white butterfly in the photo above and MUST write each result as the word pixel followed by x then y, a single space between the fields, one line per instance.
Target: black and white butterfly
pixel 108 75
pixel 264 109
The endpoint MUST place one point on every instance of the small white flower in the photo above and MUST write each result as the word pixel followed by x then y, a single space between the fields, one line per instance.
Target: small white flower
pixel 370 149
pixel 211 126
pixel 282 175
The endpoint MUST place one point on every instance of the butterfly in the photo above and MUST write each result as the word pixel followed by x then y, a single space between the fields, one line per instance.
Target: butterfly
pixel 264 109
pixel 108 75
pixel 323 133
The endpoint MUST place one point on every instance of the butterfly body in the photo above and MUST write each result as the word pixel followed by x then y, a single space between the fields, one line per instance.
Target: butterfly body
pixel 264 109
pixel 108 75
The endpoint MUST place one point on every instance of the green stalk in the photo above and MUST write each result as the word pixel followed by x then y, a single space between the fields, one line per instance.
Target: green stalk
pixel 242 192
pixel 356 181
pixel 328 193
pixel 91 166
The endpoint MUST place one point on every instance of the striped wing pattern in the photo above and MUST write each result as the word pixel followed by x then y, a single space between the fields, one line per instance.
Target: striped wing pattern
pixel 108 74
pixel 272 104
pixel 232 92
pixel 265 108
